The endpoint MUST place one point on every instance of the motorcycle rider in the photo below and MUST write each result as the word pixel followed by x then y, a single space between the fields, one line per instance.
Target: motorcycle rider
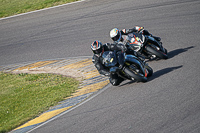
pixel 120 36
pixel 116 34
pixel 98 49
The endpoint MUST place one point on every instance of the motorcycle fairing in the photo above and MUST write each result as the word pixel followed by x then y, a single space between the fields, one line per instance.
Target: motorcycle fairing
pixel 136 41
pixel 132 58
pixel 109 58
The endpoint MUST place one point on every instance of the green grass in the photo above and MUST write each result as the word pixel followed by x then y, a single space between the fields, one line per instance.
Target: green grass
pixel 25 96
pixel 13 7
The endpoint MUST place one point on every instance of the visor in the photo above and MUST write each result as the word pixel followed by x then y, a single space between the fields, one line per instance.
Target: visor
pixel 98 51
pixel 117 37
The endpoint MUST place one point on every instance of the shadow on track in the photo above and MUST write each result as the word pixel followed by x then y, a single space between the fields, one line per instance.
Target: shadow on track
pixel 162 72
pixel 175 52
pixel 156 74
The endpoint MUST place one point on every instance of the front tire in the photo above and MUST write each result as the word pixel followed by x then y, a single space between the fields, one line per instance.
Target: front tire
pixel 156 52
pixel 150 70
pixel 136 75
pixel 165 50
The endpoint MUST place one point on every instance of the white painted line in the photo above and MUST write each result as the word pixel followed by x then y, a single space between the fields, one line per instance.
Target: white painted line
pixel 41 10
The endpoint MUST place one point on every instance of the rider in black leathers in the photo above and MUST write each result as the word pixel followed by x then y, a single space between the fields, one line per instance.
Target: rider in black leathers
pixel 97 59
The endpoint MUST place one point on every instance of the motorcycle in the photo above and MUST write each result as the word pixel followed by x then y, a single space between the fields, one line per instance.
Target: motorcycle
pixel 132 67
pixel 141 44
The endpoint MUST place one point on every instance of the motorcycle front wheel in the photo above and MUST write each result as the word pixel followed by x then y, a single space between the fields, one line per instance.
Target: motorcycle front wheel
pixel 135 75
pixel 156 52
pixel 150 70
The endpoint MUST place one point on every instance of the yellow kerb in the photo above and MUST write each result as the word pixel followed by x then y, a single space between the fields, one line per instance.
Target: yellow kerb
pixel 44 117
pixel 90 88
pixel 37 64
pixel 79 64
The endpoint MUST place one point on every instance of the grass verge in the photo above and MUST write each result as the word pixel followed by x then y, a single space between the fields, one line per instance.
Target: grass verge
pixel 25 96
pixel 13 7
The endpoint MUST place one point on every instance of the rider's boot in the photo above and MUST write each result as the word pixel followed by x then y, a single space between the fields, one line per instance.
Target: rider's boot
pixel 157 38
pixel 115 79
pixel 146 32
pixel 155 42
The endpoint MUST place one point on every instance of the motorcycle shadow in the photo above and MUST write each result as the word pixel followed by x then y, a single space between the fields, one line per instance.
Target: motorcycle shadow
pixel 155 75
pixel 173 53
pixel 164 71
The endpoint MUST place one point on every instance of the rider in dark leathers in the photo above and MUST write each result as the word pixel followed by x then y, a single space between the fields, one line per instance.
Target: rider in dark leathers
pixel 97 59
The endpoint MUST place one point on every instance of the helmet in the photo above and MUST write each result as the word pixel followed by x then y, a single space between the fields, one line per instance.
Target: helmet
pixel 115 35
pixel 96 47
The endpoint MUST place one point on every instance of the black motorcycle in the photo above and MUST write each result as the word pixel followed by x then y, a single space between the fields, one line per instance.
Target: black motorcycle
pixel 133 68
pixel 143 44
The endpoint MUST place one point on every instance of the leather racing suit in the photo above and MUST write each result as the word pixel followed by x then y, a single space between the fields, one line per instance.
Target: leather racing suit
pixel 102 69
pixel 138 29
pixel 150 38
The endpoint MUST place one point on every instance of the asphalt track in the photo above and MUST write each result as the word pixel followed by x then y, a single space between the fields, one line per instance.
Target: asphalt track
pixel 168 102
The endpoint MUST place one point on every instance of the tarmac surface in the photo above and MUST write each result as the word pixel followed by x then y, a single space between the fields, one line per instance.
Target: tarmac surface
pixel 168 102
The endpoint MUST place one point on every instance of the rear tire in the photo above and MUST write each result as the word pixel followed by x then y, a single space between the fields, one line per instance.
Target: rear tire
pixel 137 76
pixel 156 52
